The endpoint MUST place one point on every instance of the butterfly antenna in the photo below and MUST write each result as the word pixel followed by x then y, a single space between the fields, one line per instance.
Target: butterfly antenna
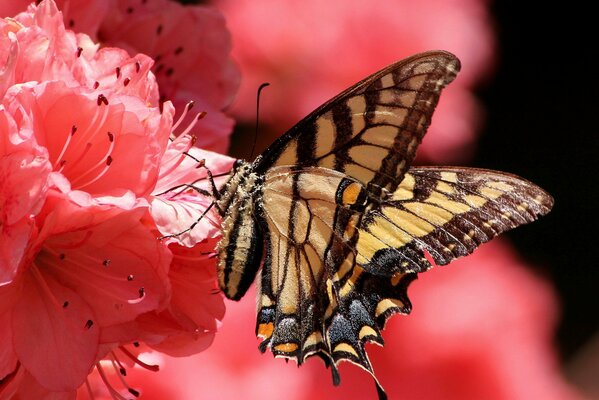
pixel 265 84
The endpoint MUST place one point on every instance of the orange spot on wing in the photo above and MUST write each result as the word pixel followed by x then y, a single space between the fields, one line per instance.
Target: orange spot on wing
pixel 265 330
pixel 286 347
pixel 351 193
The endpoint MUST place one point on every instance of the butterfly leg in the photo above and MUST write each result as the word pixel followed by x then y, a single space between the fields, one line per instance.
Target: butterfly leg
pixel 193 225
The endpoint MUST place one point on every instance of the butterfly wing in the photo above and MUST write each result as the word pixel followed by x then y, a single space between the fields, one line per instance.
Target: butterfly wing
pixel 371 130
pixel 339 263
pixel 447 212
pixel 312 215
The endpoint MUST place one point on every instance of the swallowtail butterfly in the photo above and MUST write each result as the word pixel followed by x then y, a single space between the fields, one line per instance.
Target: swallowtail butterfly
pixel 341 222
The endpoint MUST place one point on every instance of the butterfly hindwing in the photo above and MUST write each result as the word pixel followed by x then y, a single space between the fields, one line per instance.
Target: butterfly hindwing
pixel 308 305
pixel 370 131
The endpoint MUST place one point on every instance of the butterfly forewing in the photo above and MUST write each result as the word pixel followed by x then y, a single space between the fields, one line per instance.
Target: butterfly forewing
pixel 371 131
pixel 447 212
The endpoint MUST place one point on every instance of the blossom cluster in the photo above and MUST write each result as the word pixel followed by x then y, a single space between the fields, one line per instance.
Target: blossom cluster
pixel 94 169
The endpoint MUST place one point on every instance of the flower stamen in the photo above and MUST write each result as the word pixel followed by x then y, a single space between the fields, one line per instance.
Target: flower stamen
pixel 59 160
pixel 137 361
pixel 113 393
pixel 188 107
pixel 104 163
pixel 121 373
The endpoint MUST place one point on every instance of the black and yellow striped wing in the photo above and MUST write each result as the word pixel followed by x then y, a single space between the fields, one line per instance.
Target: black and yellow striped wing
pixel 370 131
pixel 339 263
pixel 447 212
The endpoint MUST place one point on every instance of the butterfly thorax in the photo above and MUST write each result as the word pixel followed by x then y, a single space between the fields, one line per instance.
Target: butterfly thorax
pixel 240 248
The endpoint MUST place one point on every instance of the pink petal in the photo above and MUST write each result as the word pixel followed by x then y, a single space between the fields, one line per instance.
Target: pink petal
pixel 85 15
pixel 190 322
pixel 117 266
pixel 164 334
pixel 61 357
pixel 29 388
pixel 23 184
pixel 23 188
pixel 14 242
pixel 8 357
pixel 195 292
pixel 8 58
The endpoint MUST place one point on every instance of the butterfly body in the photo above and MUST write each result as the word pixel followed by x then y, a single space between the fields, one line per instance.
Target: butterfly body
pixel 240 249
pixel 345 223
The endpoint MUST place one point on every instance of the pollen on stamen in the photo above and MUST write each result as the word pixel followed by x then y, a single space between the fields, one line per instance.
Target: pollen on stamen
pixel 188 107
pixel 137 66
pixel 142 292
pixel 118 72
pixel 102 99
pixel 106 263
pixel 79 51
pixel 133 392
pixel 96 84
pixel 130 278
pixel 89 324
pixel 137 360
pixel 73 129
pixel 108 160
pixel 114 394
pixel 126 81
pixel 110 137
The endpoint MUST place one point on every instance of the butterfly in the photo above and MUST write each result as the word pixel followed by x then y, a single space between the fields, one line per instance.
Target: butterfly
pixel 340 223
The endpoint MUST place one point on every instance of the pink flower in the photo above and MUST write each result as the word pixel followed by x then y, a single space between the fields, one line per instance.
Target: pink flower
pixel 311 53
pixel 480 328
pixel 191 47
pixel 83 168
pixel 24 171
pixel 90 223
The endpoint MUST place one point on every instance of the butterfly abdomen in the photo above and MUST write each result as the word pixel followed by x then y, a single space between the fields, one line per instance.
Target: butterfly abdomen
pixel 240 248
